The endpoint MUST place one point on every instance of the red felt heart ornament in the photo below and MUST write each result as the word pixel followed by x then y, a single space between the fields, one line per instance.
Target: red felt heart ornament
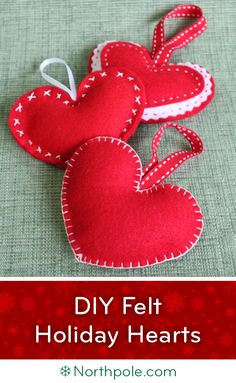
pixel 173 91
pixel 119 215
pixel 50 125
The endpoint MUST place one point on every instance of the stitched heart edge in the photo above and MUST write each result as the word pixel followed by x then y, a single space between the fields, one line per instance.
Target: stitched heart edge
pixel 172 110
pixel 78 254
pixel 44 154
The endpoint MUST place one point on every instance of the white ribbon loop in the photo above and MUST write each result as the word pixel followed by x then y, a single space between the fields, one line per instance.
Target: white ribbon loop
pixel 72 91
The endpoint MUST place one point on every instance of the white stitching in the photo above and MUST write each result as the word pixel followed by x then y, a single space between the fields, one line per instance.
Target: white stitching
pixel 80 257
pixel 177 108
pixel 43 91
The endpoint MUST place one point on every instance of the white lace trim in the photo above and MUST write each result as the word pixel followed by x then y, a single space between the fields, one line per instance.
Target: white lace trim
pixel 180 108
pixel 170 110
pixel 96 56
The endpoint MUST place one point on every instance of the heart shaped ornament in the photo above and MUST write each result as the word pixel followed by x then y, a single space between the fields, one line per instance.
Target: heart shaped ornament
pixel 173 91
pixel 51 122
pixel 118 214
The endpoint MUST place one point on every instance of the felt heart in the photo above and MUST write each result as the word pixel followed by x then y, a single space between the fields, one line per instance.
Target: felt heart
pixel 50 125
pixel 117 214
pixel 173 91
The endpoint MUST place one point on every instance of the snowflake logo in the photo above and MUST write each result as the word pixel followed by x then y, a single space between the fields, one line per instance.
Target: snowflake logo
pixel 65 371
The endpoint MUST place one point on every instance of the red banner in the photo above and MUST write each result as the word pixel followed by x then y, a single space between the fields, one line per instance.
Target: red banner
pixel 117 320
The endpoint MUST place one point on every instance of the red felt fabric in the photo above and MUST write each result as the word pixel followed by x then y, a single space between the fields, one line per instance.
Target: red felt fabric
pixel 50 126
pixel 113 219
pixel 165 84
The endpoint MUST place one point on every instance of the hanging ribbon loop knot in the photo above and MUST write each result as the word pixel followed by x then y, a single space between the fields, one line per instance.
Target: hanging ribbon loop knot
pixel 162 49
pixel 72 90
pixel 156 172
